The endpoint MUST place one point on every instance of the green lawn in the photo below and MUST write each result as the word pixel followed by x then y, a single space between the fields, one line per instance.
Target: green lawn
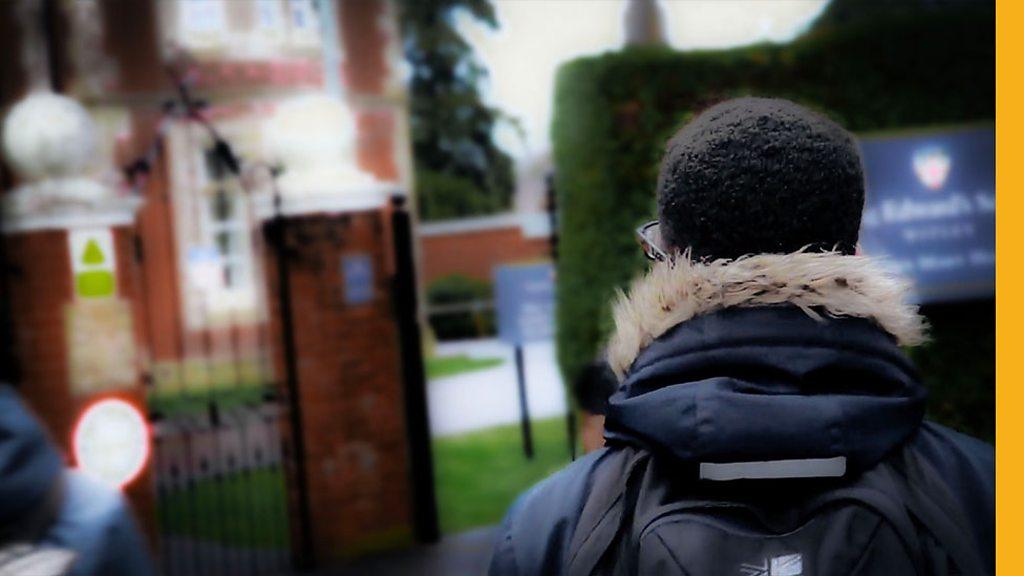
pixel 479 474
pixel 173 402
pixel 243 384
pixel 188 387
pixel 239 510
pixel 441 366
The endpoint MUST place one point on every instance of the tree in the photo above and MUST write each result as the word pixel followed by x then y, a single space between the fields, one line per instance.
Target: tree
pixel 460 171
pixel 840 13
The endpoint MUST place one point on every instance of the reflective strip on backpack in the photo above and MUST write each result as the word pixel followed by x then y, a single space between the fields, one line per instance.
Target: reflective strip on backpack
pixel 774 469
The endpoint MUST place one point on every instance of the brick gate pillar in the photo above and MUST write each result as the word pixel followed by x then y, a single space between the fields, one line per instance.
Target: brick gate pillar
pixel 71 293
pixel 348 372
pixel 71 283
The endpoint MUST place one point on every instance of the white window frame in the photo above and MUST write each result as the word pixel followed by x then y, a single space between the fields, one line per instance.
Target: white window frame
pixel 201 24
pixel 208 302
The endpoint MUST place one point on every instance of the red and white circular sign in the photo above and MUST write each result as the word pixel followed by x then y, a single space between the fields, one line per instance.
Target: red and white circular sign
pixel 111 442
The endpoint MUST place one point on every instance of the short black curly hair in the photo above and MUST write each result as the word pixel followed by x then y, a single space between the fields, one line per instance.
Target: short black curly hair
pixel 759 175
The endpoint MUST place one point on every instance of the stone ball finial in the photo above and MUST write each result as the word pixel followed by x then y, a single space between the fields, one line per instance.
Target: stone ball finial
pixel 47 135
pixel 310 129
pixel 313 136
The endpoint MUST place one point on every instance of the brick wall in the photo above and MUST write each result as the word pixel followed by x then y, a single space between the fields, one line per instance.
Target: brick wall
pixel 366 71
pixel 477 253
pixel 350 387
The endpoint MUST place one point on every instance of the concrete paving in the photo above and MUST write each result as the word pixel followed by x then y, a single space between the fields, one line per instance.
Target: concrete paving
pixel 486 398
pixel 465 554
pixel 192 557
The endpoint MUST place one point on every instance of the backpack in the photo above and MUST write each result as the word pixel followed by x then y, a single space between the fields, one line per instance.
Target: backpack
pixel 897 518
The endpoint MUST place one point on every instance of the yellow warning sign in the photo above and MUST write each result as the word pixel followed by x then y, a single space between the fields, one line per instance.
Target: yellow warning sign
pixel 93 265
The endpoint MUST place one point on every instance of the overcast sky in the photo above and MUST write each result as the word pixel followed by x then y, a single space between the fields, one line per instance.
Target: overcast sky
pixel 536 36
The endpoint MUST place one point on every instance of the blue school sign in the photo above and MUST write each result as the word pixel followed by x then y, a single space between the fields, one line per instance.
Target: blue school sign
pixel 357 276
pixel 930 210
pixel 525 298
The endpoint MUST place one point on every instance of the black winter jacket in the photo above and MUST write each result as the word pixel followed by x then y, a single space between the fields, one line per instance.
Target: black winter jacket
pixel 765 358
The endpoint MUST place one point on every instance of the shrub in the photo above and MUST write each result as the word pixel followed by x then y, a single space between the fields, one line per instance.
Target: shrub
pixel 455 290
pixel 958 366
pixel 446 196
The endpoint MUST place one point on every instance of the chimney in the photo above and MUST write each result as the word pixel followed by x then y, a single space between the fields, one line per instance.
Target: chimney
pixel 644 24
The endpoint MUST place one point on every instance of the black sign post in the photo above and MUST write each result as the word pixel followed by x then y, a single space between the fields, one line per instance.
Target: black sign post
pixel 525 298
pixel 524 408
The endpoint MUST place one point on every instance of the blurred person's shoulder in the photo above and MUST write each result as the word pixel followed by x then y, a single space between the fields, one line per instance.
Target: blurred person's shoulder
pixel 540 524
pixel 96 522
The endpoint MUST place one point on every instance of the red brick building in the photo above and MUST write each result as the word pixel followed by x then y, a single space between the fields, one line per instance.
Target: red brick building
pixel 474 247
pixel 193 265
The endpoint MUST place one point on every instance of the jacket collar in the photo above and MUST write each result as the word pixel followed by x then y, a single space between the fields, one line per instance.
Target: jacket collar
pixel 769 383
pixel 820 284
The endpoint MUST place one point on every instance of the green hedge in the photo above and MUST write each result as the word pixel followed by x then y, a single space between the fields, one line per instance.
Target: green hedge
pixel 454 290
pixel 614 112
pixel 959 366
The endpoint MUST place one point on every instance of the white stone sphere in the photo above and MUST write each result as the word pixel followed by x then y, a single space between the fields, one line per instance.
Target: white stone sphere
pixel 313 136
pixel 311 129
pixel 47 135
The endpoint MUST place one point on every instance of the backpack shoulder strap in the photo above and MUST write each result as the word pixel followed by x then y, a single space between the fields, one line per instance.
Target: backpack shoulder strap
pixel 929 499
pixel 542 523
pixel 608 509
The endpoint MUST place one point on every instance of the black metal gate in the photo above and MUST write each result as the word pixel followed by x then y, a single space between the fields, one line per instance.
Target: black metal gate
pixel 222 501
pixel 225 420
pixel 218 417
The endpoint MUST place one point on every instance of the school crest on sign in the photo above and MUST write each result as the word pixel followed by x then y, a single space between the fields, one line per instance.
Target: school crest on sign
pixel 932 166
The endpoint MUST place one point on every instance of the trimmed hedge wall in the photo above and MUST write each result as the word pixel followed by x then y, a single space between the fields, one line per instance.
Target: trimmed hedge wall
pixel 614 112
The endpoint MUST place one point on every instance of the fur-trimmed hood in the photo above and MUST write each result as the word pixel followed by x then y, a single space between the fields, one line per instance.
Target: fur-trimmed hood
pixel 818 283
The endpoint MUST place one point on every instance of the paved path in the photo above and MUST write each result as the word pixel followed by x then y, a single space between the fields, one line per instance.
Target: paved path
pixel 465 554
pixel 181 555
pixel 486 398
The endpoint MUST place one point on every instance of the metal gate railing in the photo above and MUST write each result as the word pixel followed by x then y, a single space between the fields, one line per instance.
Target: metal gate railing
pixel 220 455
pixel 227 426
pixel 219 424
pixel 221 494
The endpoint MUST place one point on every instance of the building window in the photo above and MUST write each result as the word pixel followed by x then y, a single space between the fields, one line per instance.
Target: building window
pixel 303 23
pixel 243 29
pixel 267 36
pixel 268 15
pixel 225 236
pixel 201 17
pixel 214 226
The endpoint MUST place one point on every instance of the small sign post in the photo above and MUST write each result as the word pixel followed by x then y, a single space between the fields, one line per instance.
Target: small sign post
pixel 525 296
pixel 524 408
